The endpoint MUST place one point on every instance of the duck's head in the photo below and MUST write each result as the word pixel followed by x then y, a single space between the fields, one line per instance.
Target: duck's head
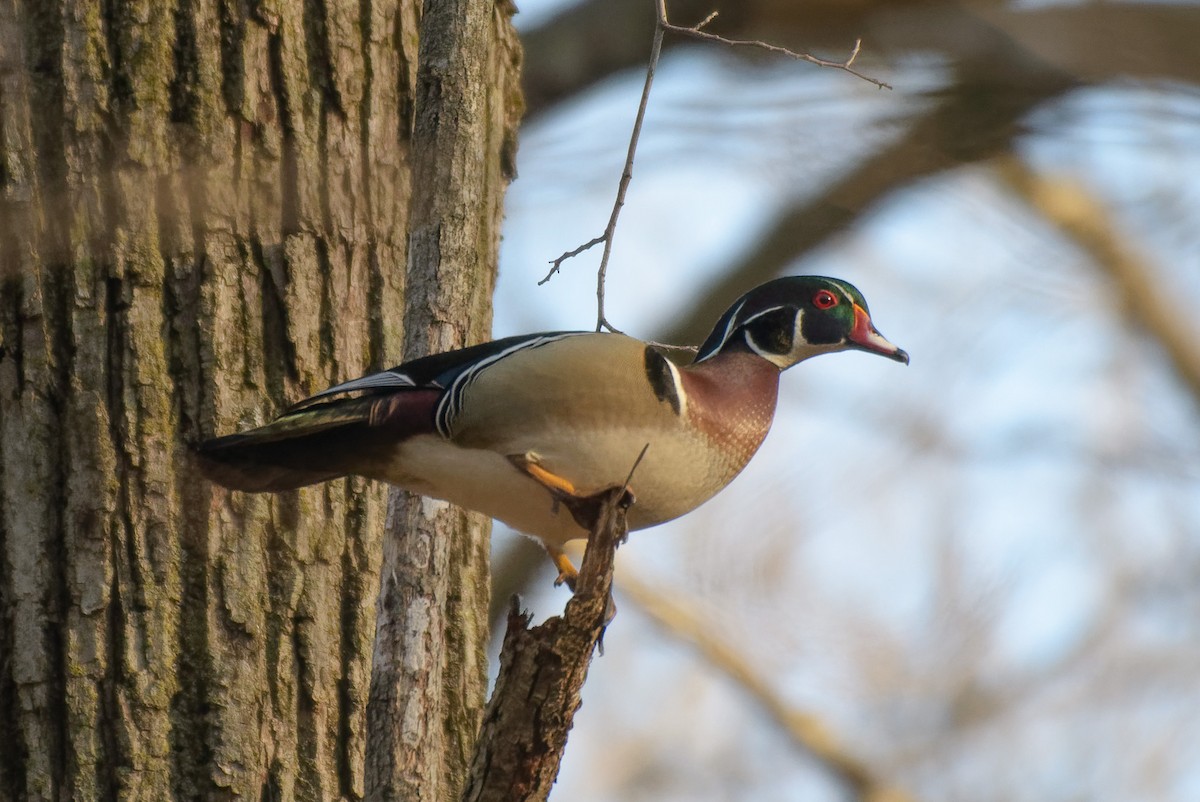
pixel 790 319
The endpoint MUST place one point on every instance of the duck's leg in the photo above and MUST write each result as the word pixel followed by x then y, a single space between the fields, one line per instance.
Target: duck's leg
pixel 557 485
pixel 584 509
pixel 567 573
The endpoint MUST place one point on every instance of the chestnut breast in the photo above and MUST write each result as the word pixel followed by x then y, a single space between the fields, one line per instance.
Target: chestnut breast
pixel 731 402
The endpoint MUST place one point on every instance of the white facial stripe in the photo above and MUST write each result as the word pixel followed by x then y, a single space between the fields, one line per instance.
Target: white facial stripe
pixel 779 360
pixel 759 314
pixel 842 286
pixel 729 325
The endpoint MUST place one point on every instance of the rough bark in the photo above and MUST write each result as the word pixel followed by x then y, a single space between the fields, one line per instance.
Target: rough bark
pixel 429 674
pixel 203 216
pixel 542 671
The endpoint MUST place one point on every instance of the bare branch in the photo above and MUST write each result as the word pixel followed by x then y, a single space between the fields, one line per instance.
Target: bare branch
pixel 602 323
pixel 542 670
pixel 695 32
pixel 1079 216
pixel 662 25
pixel 712 16
pixel 555 264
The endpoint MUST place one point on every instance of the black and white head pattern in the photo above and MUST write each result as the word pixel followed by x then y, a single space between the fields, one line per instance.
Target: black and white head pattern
pixel 787 319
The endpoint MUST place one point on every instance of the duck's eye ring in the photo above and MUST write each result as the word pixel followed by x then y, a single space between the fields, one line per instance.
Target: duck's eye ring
pixel 824 299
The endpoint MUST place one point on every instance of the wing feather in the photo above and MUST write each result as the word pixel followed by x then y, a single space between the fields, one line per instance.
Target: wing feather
pixel 436 371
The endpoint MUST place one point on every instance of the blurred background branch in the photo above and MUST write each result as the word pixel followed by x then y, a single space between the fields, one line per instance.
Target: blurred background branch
pixel 678 619
pixel 1067 205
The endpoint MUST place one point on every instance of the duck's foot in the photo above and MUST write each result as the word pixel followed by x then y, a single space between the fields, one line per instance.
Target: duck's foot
pixel 529 463
pixel 567 573
pixel 584 509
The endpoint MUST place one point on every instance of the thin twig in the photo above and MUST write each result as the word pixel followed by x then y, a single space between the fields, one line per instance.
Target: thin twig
pixel 712 16
pixel 626 176
pixel 661 26
pixel 557 263
pixel 641 456
pixel 695 32
pixel 602 323
pixel 671 347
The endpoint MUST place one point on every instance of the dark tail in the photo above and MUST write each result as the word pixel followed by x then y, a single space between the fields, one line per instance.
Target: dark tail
pixel 240 463
pixel 314 444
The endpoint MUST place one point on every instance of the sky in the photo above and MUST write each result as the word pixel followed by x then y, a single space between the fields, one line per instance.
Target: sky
pixel 985 507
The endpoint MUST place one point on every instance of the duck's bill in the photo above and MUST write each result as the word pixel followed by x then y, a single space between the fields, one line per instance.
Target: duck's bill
pixel 866 337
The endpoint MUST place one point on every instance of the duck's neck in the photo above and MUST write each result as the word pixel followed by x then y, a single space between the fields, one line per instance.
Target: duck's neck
pixel 731 399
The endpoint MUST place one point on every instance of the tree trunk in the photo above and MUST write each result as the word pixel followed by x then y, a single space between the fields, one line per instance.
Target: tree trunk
pixel 433 621
pixel 205 216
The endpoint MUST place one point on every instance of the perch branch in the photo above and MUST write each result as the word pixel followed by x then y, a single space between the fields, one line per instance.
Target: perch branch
pixel 661 26
pixel 542 670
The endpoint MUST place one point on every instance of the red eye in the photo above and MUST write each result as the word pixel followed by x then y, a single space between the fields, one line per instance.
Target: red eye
pixel 824 299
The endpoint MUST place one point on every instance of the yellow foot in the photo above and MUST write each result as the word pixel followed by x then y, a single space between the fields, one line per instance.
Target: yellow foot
pixel 567 574
pixel 584 509
pixel 528 462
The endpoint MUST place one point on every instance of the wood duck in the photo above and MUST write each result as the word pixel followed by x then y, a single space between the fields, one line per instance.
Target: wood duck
pixel 516 427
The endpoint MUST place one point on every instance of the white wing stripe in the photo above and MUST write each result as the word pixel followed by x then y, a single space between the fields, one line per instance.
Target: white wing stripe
pixel 375 381
pixel 450 404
